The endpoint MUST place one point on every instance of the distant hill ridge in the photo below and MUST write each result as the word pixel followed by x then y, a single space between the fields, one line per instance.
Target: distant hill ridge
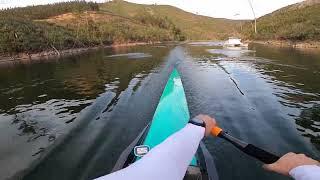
pixel 193 26
pixel 306 3
pixel 83 24
pixel 297 22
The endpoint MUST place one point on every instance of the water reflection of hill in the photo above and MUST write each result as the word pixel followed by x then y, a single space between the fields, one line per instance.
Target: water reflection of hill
pixel 76 77
pixel 61 90
pixel 297 75
pixel 298 68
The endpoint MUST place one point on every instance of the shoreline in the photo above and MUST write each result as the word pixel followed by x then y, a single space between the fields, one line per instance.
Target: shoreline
pixel 290 44
pixel 49 54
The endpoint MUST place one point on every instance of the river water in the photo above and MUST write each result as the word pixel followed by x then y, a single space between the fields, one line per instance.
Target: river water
pixel 70 118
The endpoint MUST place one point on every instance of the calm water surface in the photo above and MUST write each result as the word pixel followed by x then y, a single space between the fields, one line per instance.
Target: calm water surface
pixel 70 118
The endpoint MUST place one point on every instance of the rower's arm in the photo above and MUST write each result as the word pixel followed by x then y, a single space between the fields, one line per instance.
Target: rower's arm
pixel 168 160
pixel 306 172
pixel 299 166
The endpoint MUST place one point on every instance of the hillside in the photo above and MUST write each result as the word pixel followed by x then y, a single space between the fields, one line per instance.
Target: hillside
pixel 85 24
pixel 74 25
pixel 195 27
pixel 298 22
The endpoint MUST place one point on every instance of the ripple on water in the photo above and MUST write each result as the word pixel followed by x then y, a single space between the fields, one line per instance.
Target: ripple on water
pixel 309 124
pixel 131 55
pixel 43 95
pixel 36 120
pixel 112 85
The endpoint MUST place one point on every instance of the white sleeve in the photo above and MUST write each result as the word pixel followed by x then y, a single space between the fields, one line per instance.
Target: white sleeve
pixel 168 160
pixel 306 172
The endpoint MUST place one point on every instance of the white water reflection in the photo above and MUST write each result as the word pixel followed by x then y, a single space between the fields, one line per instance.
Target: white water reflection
pixel 209 43
pixel 231 52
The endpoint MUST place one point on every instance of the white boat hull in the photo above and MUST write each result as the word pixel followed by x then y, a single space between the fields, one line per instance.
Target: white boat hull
pixel 234 42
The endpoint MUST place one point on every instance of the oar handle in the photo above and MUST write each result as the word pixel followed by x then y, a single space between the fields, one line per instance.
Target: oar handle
pixel 260 154
pixel 216 131
pixel 249 149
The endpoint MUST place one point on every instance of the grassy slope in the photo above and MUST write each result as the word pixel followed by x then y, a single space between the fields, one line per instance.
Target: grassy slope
pixel 297 22
pixel 21 32
pixel 81 24
pixel 193 26
pixel 103 28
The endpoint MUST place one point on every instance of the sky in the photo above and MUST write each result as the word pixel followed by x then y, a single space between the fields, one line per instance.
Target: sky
pixel 231 9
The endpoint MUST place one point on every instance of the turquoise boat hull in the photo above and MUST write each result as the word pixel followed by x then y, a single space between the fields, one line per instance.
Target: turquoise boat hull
pixel 171 115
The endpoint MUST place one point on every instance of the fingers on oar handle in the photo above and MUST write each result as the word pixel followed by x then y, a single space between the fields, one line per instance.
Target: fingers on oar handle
pixel 260 154
pixel 216 131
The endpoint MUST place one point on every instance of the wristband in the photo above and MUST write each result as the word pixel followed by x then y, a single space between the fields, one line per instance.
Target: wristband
pixel 197 122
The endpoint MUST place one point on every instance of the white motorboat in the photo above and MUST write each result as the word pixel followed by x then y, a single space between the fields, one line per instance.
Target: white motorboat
pixel 234 42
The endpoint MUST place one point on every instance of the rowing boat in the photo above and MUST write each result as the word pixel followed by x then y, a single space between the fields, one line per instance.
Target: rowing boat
pixel 171 115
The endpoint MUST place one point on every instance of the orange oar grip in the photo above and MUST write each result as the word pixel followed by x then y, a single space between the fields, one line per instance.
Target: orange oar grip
pixel 216 131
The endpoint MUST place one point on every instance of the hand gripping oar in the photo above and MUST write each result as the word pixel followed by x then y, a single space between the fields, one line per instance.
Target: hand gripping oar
pixel 247 148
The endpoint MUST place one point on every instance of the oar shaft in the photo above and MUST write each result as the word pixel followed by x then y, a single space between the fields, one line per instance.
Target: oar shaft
pixel 249 149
